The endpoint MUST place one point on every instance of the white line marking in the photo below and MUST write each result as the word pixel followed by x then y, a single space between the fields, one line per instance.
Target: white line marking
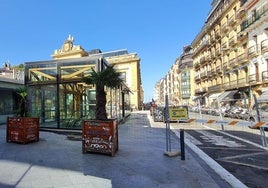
pixel 218 140
pixel 238 138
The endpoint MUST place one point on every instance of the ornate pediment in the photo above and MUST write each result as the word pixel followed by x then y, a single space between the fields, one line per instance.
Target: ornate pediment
pixel 68 44
pixel 68 50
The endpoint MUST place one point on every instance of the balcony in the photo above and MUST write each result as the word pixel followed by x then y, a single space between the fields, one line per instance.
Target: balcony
pixel 253 78
pixel 197 91
pixel 219 69
pixel 224 45
pixel 203 61
pixel 264 46
pixel 217 34
pixel 232 41
pixel 212 55
pixel 208 58
pixel 252 51
pixel 215 88
pixel 226 66
pixel 233 62
pixel 209 73
pixel 197 66
pixel 203 45
pixel 203 74
pixel 185 95
pixel 185 87
pixel 218 52
pixel 233 84
pixel 213 72
pixel 241 13
pixel 254 17
pixel 197 77
pixel 212 39
pixel 241 36
pixel 241 82
pixel 224 27
pixel 242 58
pixel 185 77
pixel 226 85
pixel 264 76
pixel 232 20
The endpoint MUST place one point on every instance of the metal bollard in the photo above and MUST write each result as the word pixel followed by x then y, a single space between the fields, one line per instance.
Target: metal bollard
pixel 182 144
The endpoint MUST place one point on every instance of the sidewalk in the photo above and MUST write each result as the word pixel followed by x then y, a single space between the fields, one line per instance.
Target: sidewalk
pixel 57 162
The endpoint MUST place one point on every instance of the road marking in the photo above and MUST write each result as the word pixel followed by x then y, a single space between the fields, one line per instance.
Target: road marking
pixel 218 140
pixel 231 158
pixel 224 148
pixel 238 138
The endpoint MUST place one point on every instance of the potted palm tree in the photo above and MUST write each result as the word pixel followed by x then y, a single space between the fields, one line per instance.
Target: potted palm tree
pixel 101 134
pixel 22 128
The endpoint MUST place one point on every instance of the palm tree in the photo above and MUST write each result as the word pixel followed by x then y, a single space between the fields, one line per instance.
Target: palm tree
pixel 22 92
pixel 107 77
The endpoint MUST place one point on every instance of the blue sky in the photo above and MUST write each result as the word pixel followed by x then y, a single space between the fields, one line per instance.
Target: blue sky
pixel 156 29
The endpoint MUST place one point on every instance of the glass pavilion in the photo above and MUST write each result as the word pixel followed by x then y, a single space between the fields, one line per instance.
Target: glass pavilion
pixel 57 95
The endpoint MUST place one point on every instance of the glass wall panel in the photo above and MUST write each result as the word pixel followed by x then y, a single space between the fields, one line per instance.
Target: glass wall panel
pixel 59 97
pixel 71 105
pixel 42 103
pixel 127 104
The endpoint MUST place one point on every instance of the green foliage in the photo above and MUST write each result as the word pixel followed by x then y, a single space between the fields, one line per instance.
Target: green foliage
pixel 19 67
pixel 106 78
pixel 22 92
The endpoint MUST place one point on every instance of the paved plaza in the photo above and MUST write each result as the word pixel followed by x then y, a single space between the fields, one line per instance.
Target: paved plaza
pixel 56 161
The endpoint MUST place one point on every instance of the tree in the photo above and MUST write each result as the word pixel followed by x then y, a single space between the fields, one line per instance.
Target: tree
pixel 22 92
pixel 109 78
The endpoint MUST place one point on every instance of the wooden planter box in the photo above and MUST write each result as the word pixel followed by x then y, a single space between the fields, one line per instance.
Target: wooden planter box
pixel 100 136
pixel 22 129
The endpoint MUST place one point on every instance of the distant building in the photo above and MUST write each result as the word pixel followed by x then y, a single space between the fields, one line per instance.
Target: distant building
pixel 178 84
pixel 10 81
pixel 6 71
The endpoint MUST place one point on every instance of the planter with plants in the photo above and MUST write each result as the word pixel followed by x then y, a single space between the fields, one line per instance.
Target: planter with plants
pixel 21 128
pixel 100 135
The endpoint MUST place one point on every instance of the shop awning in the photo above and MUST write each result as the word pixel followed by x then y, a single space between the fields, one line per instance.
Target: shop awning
pixel 214 96
pixel 263 97
pixel 227 95
pixel 197 97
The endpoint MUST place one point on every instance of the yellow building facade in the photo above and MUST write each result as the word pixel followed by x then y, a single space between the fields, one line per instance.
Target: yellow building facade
pixel 126 63
pixel 223 53
pixel 230 57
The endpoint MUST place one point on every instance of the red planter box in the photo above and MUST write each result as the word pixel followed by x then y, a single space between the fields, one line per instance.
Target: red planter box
pixel 100 136
pixel 22 129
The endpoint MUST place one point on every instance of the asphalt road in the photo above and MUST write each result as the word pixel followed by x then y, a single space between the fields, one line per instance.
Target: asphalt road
pixel 238 149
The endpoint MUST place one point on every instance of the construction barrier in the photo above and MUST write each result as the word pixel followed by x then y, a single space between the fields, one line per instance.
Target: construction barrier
pixel 253 125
